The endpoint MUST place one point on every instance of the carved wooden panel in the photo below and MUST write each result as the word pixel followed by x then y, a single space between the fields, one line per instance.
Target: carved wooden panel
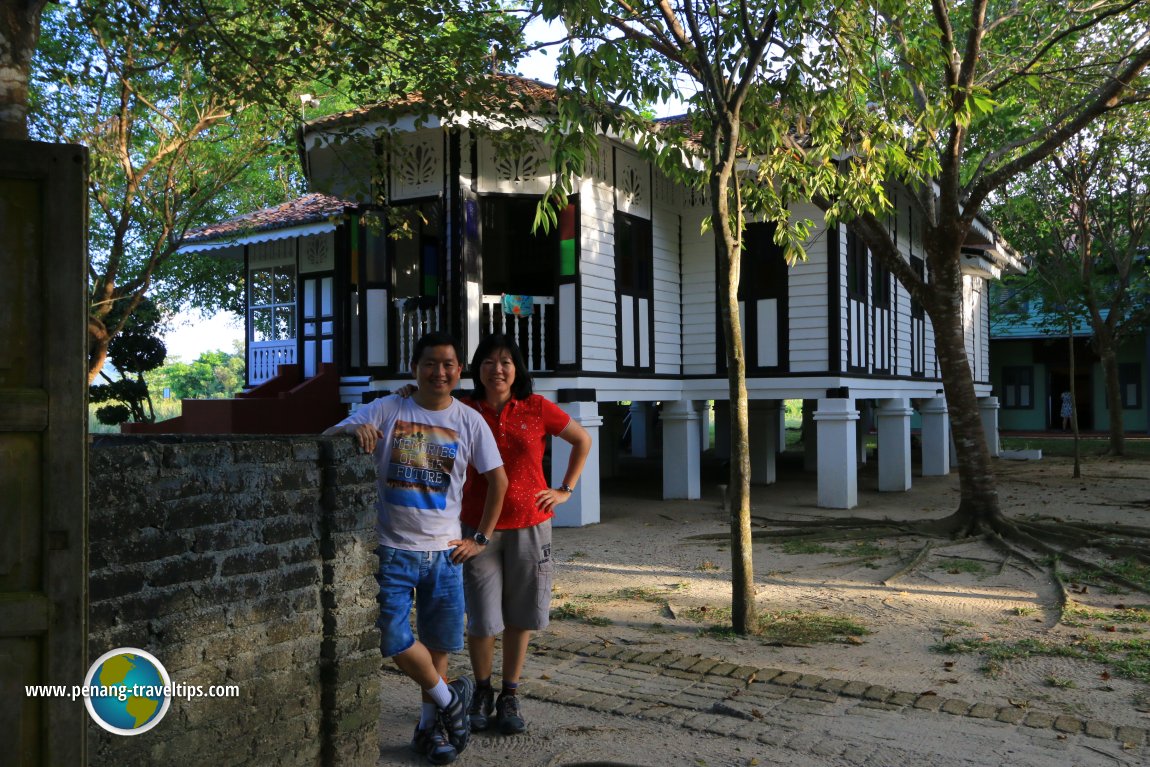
pixel 520 167
pixel 317 253
pixel 417 165
pixel 632 184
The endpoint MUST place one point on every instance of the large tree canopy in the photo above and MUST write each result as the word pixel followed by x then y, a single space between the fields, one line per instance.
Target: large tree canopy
pixel 1085 213
pixel 190 111
pixel 167 154
pixel 966 96
pixel 744 69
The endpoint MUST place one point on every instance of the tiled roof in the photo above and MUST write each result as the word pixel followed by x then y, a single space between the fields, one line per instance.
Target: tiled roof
pixel 522 91
pixel 311 208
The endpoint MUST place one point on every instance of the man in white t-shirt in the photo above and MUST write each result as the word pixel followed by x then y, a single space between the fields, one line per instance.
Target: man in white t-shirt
pixel 422 446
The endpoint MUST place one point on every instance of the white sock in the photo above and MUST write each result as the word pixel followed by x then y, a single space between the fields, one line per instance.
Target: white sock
pixel 427 715
pixel 441 694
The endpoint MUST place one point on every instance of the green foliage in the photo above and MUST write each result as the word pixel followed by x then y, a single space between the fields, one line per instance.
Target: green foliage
pixel 134 352
pixel 213 375
pixel 268 53
pixel 167 154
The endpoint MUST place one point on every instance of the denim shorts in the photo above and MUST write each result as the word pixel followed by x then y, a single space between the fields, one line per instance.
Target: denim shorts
pixel 436 583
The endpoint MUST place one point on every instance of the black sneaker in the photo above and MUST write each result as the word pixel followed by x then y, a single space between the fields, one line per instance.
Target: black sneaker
pixel 433 744
pixel 507 716
pixel 454 718
pixel 482 705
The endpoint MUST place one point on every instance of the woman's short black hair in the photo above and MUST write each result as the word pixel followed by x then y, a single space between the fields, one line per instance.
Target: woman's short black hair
pixel 522 387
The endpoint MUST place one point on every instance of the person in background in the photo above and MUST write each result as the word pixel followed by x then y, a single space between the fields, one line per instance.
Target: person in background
pixel 508 587
pixel 1067 410
pixel 423 446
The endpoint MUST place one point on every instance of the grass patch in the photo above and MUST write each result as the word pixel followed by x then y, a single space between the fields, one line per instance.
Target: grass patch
pixel 707 613
pixel 1064 448
pixel 1079 616
pixel 798 546
pixel 858 550
pixel 1129 568
pixel 707 566
pixel 807 628
pixel 1025 610
pixel 577 611
pixel 1129 658
pixel 866 549
pixel 970 566
pixel 637 594
pixel 786 628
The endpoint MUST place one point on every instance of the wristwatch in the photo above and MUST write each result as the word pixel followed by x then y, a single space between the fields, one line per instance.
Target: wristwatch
pixel 567 488
pixel 481 539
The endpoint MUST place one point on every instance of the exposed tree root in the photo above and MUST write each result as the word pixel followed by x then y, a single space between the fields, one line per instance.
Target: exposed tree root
pixel 915 561
pixel 1042 542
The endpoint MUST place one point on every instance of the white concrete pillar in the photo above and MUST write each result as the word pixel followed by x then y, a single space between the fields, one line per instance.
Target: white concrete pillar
pixel 935 438
pixel 583 508
pixel 838 468
pixel 762 424
pixel 640 433
pixel 722 430
pixel 680 450
pixel 892 419
pixel 988 409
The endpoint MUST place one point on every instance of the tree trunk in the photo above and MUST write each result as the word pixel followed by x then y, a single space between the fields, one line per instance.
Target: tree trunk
pixel 978 506
pixel 19 33
pixel 727 246
pixel 98 340
pixel 1109 357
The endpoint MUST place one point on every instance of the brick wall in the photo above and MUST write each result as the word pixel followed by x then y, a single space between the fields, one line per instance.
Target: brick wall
pixel 245 561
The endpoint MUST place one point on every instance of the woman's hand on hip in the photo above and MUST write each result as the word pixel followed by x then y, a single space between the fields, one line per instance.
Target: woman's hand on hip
pixel 547 499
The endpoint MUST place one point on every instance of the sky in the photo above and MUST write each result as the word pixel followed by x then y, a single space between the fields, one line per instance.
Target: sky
pixel 192 334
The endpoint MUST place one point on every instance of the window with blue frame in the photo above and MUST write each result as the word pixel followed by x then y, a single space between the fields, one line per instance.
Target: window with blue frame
pixel 1018 387
pixel 1130 382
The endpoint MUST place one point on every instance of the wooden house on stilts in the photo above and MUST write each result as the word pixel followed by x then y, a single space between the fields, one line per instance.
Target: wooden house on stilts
pixel 427 223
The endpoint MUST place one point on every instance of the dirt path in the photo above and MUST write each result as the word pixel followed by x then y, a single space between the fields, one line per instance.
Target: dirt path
pixel 642 579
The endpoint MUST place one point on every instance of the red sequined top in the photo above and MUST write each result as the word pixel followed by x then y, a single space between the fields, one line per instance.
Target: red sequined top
pixel 521 430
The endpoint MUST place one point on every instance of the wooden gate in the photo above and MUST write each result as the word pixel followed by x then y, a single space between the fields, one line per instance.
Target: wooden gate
pixel 43 476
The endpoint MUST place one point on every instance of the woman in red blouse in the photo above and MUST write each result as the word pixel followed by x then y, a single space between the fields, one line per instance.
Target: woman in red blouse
pixel 508 586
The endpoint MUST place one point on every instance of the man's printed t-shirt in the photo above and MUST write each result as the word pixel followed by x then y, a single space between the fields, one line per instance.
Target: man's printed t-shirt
pixel 421 463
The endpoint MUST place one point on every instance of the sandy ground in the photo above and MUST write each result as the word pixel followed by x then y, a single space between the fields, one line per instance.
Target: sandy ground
pixel 645 578
pixel 647 550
